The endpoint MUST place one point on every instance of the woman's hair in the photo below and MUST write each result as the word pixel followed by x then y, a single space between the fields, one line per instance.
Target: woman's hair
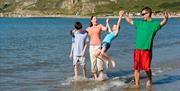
pixel 91 22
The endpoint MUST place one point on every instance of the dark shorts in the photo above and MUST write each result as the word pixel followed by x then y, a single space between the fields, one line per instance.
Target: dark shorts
pixel 105 45
pixel 142 59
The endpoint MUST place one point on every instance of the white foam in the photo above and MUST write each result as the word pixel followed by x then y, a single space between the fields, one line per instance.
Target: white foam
pixel 102 77
pixel 157 71
pixel 106 86
pixel 102 86
pixel 67 81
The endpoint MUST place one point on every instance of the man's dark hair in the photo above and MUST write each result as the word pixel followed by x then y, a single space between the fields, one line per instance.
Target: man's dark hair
pixel 78 25
pixel 148 10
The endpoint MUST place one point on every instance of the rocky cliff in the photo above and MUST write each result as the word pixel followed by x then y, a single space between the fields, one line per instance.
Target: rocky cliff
pixel 72 7
pixel 81 7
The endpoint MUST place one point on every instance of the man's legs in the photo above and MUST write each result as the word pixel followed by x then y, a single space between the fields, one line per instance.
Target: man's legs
pixel 147 66
pixel 142 61
pixel 137 78
pixel 137 57
pixel 149 81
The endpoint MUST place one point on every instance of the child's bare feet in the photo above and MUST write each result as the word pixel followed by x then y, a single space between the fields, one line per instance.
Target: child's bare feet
pixel 75 78
pixel 113 63
pixel 148 84
pixel 94 76
pixel 107 64
pixel 84 78
pixel 134 86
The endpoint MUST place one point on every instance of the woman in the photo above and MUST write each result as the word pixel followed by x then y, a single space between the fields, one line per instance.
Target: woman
pixel 94 32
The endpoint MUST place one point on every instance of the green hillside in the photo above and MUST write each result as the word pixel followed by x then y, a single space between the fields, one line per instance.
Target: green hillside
pixel 87 7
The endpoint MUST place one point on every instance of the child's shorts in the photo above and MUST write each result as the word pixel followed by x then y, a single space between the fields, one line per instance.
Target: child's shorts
pixel 79 60
pixel 105 45
pixel 142 59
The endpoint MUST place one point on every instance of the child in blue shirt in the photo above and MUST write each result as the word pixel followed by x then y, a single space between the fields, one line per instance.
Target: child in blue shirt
pixel 78 50
pixel 101 53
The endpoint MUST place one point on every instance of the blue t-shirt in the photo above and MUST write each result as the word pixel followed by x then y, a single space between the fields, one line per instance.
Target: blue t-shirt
pixel 109 37
pixel 80 39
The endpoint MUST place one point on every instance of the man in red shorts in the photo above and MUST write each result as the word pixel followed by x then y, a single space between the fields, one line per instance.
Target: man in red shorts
pixel 145 32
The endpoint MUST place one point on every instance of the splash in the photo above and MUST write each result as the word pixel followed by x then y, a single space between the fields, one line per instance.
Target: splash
pixel 90 84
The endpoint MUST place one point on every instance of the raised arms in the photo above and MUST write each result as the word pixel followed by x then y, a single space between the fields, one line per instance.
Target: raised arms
pixel 107 25
pixel 127 18
pixel 164 21
pixel 119 19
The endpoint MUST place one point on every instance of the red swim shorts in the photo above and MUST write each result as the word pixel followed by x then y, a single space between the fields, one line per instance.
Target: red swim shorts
pixel 142 59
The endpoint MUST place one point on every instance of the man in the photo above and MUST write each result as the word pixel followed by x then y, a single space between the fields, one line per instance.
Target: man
pixel 145 32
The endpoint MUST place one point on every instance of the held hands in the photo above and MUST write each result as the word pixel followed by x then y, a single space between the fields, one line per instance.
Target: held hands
pixel 121 13
pixel 107 20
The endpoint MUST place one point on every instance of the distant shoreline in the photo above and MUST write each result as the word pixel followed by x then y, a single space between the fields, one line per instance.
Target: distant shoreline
pixel 76 16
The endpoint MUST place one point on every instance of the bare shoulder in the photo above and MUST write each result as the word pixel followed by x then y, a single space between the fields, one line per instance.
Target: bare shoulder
pixel 100 25
pixel 88 28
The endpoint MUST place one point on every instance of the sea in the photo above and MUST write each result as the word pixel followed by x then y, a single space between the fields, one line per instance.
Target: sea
pixel 34 56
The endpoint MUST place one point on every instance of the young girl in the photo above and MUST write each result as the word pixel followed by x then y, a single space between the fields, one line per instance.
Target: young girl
pixel 107 42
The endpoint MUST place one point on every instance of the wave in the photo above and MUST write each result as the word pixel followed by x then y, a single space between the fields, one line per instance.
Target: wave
pixel 166 68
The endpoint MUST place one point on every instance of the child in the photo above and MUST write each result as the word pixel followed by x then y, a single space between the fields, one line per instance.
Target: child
pixel 79 48
pixel 107 42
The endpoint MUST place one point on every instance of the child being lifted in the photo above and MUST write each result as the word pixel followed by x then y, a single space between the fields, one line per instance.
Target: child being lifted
pixel 101 53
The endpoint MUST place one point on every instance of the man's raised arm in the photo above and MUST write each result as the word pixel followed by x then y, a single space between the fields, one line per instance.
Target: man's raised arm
pixel 128 19
pixel 164 21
